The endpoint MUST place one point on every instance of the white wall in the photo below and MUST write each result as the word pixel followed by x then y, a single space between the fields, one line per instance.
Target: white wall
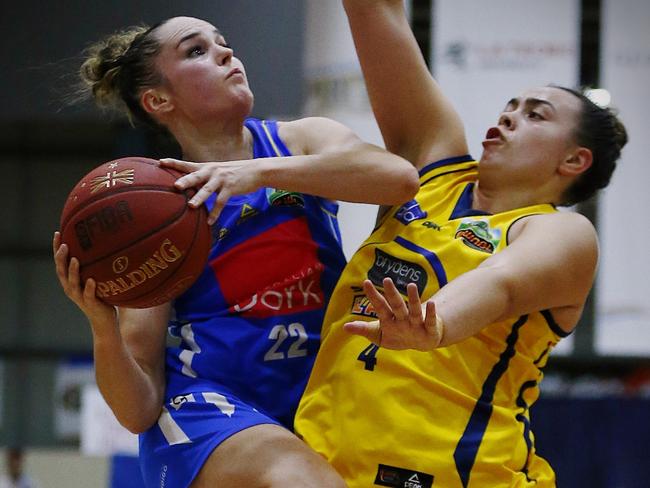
pixel 623 319
pixel 486 53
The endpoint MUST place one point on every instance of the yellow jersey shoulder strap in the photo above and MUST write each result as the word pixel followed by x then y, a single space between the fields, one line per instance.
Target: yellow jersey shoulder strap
pixel 446 166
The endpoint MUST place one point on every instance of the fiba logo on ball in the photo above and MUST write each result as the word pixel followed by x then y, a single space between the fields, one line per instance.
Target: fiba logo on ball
pixel 120 264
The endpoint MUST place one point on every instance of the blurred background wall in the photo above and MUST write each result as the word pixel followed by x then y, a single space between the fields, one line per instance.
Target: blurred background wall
pixel 300 61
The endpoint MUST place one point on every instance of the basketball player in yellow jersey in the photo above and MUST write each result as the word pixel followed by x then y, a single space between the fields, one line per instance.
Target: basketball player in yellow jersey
pixel 436 334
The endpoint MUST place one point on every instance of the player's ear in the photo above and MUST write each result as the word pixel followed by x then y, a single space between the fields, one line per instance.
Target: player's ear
pixel 577 162
pixel 156 101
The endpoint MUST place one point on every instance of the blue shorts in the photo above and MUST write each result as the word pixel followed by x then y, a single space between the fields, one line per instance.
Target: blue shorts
pixel 190 427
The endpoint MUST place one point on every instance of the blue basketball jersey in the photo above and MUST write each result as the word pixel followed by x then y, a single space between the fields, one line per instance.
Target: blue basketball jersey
pixel 249 328
pixel 251 322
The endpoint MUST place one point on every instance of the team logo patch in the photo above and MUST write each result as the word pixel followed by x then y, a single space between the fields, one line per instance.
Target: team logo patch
pixel 247 211
pixel 278 198
pixel 409 212
pixel 478 235
pixel 400 271
pixel 402 478
pixel 361 305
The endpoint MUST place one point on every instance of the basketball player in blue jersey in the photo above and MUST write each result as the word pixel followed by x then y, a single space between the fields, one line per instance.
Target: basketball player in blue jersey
pixel 217 409
pixel 438 329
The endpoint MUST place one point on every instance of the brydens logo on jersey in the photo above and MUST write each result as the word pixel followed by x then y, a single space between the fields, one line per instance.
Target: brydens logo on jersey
pixel 400 271
pixel 478 235
pixel 409 212
pixel 402 478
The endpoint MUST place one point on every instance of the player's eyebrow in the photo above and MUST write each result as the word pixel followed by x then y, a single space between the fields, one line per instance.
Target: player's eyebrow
pixel 530 102
pixel 194 34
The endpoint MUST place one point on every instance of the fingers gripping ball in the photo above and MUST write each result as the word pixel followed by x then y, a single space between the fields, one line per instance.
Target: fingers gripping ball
pixel 134 233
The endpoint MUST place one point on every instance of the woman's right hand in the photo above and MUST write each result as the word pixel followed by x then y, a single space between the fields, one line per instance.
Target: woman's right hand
pixel 225 178
pixel 67 270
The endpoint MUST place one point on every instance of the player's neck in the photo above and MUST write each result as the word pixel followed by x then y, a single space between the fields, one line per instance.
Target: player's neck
pixel 222 144
pixel 496 200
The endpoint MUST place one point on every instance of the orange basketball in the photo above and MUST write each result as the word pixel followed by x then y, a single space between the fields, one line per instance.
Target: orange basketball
pixel 134 233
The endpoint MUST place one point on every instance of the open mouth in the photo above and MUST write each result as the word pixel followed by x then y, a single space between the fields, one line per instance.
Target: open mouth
pixel 493 133
pixel 493 138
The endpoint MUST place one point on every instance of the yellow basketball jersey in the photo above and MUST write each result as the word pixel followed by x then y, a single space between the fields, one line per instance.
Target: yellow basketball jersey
pixel 453 417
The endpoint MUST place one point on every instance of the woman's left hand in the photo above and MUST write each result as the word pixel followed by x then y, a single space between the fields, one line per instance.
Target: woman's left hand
pixel 226 178
pixel 401 325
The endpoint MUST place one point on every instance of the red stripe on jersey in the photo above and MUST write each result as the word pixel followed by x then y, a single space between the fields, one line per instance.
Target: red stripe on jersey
pixel 273 273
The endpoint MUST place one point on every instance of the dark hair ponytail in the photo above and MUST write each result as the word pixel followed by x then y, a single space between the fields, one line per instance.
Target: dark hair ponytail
pixel 600 130
pixel 119 67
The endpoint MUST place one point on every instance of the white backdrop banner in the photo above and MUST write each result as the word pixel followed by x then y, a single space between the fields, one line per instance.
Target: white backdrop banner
pixel 70 378
pixel 485 53
pixel 101 433
pixel 623 320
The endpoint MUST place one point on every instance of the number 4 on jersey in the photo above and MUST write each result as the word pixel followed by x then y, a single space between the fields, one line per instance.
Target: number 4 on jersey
pixel 369 357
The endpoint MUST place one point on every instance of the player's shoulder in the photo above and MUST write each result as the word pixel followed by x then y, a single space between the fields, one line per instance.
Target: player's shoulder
pixel 308 134
pixel 565 224
pixel 563 218
pixel 309 125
